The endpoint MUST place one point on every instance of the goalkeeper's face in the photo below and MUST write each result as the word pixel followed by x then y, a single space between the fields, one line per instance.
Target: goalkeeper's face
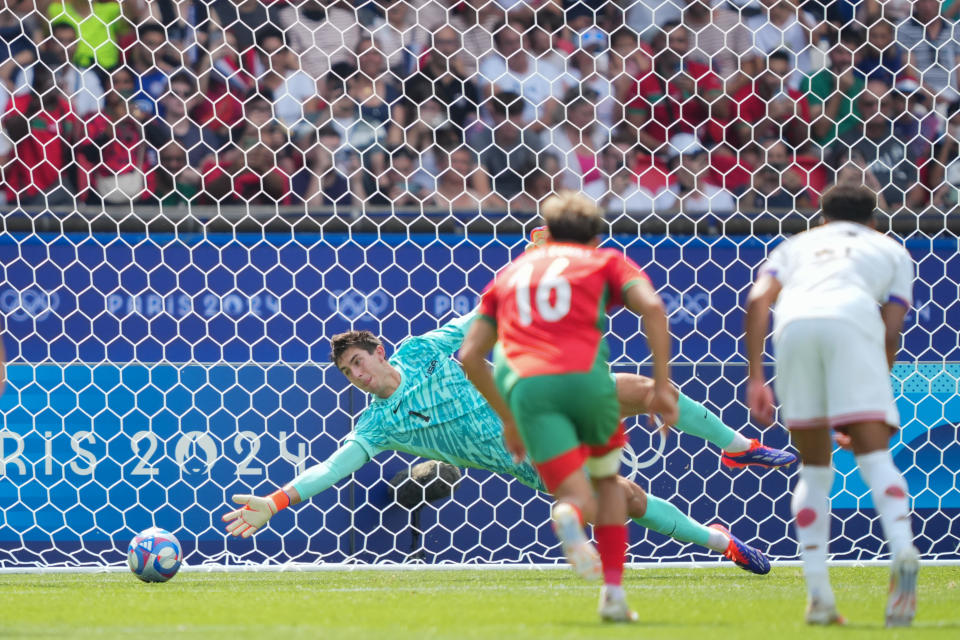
pixel 369 372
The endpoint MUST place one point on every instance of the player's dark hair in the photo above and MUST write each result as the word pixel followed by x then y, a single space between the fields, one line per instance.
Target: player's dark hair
pixel 361 339
pixel 572 217
pixel 851 202
pixel 150 27
pixel 780 54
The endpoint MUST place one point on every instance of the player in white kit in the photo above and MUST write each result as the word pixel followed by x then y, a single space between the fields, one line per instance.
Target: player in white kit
pixel 842 291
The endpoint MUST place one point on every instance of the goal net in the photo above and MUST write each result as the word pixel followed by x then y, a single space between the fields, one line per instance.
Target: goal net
pixel 198 194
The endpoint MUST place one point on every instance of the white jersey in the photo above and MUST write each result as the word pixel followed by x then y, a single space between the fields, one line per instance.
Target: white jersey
pixel 840 270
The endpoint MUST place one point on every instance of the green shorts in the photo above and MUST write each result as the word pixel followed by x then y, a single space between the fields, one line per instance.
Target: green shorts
pixel 558 413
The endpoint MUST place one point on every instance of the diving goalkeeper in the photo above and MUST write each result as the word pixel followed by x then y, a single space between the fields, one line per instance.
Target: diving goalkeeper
pixel 423 404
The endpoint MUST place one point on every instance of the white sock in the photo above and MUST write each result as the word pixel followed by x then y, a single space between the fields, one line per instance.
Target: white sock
pixel 740 444
pixel 890 499
pixel 614 591
pixel 718 541
pixel 811 514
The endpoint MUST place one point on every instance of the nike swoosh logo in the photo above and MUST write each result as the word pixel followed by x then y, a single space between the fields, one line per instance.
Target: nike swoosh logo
pixel 396 408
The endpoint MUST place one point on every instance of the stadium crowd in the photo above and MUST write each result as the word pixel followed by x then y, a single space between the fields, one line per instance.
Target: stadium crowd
pixel 706 106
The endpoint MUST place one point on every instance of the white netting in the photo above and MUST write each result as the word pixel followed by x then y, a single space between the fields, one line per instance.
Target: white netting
pixel 369 164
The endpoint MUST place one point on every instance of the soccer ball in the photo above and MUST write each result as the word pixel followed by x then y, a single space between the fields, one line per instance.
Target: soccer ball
pixel 154 555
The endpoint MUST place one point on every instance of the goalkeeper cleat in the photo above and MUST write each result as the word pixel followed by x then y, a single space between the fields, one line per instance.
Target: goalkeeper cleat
pixel 743 555
pixel 902 601
pixel 758 455
pixel 823 614
pixel 614 607
pixel 580 552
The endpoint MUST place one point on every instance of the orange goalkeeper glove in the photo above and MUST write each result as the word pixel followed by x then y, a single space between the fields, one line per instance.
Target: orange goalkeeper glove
pixel 255 513
pixel 538 237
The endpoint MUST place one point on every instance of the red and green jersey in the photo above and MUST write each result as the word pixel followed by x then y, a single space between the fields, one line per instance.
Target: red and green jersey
pixel 550 306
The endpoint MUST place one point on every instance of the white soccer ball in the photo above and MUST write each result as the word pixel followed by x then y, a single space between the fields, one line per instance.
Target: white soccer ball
pixel 154 555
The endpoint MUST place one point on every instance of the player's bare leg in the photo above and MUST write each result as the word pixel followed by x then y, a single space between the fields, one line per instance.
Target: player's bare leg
pixel 811 513
pixel 634 393
pixel 661 516
pixel 871 446
pixel 575 506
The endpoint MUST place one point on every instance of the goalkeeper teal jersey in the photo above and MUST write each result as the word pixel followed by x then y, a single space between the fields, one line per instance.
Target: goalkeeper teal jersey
pixel 436 412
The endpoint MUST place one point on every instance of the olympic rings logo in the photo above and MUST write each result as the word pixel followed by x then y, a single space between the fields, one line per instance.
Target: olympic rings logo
pixel 29 304
pixel 685 307
pixel 630 458
pixel 353 305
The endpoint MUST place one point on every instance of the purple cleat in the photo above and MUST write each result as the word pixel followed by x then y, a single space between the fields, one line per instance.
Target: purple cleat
pixel 743 555
pixel 758 455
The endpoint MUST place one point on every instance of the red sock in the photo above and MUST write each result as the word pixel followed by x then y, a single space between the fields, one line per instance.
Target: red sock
pixel 612 546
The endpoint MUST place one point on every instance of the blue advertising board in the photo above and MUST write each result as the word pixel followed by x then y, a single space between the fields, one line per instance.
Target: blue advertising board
pixel 154 376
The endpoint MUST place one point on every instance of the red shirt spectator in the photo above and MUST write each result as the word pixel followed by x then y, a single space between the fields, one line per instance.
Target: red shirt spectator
pixel 767 108
pixel 677 96
pixel 252 177
pixel 40 129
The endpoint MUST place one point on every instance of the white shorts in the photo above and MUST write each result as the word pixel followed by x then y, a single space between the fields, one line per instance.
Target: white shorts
pixel 831 373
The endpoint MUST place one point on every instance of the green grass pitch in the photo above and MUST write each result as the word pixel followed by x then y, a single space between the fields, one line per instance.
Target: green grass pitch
pixel 494 605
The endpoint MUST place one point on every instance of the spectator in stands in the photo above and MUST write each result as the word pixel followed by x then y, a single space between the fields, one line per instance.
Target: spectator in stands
pixel 695 196
pixel 154 61
pixel 877 148
pixel 945 172
pixel 537 185
pixel 892 10
pixel 932 46
pixel 883 58
pixel 99 25
pixel 399 35
pixel 137 102
pixel 679 96
pixel 586 68
pixel 913 121
pixel 709 39
pixel 769 108
pixel 475 21
pixel 322 33
pixel 794 179
pixel 321 182
pixel 511 67
pixel 16 72
pixel 243 18
pixel 462 185
pixel 118 155
pixel 832 91
pixel 577 141
pixel 620 191
pixel 19 30
pixel 443 75
pixel 251 176
pixel 82 86
pixel 292 93
pixel 731 17
pixel 853 173
pixel 398 185
pixel 42 130
pixel 177 183
pixel 188 26
pixel 177 127
pixel 783 27
pixel 645 15
pixel 371 112
pixel 508 151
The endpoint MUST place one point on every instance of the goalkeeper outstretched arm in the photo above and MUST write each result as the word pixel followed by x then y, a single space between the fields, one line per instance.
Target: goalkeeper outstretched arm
pixel 257 511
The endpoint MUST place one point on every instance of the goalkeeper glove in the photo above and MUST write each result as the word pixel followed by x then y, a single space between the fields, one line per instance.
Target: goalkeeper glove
pixel 538 238
pixel 255 513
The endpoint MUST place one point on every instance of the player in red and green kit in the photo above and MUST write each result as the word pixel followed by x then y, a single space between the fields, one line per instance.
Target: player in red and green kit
pixel 551 386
